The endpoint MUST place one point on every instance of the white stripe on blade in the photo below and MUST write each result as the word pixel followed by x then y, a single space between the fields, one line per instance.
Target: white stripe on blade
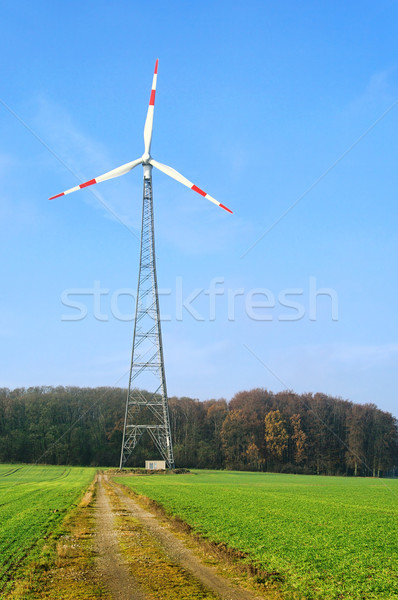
pixel 171 173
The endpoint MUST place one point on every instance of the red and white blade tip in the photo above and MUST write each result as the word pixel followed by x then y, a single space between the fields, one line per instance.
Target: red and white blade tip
pixel 149 117
pixel 78 187
pixel 205 195
pixel 153 90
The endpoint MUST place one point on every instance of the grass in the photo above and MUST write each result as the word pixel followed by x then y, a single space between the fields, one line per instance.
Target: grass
pixel 33 503
pixel 321 537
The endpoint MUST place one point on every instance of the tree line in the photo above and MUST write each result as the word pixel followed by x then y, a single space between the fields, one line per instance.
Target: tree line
pixel 256 430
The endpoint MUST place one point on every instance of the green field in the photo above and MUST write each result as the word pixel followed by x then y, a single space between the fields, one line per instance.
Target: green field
pixel 327 537
pixel 33 501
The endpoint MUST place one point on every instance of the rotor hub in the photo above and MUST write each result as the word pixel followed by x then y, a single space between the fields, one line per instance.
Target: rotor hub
pixel 146 157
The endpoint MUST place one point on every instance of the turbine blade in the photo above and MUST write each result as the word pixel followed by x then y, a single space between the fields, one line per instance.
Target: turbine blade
pixel 109 175
pixel 149 117
pixel 178 177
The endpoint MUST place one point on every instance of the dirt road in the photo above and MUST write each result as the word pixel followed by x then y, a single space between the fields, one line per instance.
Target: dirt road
pixel 110 562
pixel 139 558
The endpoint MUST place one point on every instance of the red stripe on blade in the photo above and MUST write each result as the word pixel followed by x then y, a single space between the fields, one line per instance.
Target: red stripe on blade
pixel 152 98
pixel 156 66
pixel 91 182
pixel 196 189
pixel 225 208
pixel 57 196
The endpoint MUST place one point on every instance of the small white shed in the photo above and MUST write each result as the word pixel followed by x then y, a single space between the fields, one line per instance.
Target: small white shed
pixel 155 465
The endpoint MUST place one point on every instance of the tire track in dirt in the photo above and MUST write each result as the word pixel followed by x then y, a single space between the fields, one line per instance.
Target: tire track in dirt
pixel 178 552
pixel 110 562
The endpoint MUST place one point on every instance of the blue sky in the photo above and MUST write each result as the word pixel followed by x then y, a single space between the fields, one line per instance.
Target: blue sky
pixel 272 108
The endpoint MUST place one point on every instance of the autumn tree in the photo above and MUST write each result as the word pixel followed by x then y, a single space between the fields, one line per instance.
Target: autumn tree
pixel 299 439
pixel 276 436
pixel 356 441
pixel 255 460
pixel 237 436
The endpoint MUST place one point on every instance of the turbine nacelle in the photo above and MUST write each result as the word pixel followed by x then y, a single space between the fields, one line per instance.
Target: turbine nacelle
pixel 147 170
pixel 146 159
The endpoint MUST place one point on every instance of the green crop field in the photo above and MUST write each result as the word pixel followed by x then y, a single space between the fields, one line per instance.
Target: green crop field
pixel 327 537
pixel 33 501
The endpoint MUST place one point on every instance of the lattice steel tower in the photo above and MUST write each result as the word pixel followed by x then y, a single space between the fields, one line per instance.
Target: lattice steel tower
pixel 147 411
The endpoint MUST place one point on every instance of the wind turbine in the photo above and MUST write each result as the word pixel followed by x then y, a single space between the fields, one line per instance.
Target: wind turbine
pixel 147 411
pixel 146 159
